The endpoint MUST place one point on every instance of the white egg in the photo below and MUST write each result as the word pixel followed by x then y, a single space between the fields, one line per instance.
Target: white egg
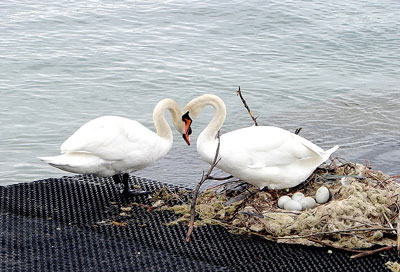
pixel 322 195
pixel 297 196
pixel 282 200
pixel 307 202
pixel 292 205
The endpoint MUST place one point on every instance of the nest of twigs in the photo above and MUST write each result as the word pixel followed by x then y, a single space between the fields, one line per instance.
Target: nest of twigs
pixel 362 212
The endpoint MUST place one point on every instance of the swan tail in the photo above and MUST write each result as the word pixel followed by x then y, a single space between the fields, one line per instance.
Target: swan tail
pixel 51 159
pixel 75 162
pixel 329 152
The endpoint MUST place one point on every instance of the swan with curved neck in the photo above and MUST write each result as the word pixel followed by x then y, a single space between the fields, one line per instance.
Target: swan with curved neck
pixel 264 156
pixel 115 146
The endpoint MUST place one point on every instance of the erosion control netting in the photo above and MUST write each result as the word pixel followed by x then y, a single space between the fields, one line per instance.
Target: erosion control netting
pixel 66 225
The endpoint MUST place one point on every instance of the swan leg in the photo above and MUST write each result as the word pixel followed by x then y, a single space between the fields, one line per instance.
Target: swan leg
pixel 124 179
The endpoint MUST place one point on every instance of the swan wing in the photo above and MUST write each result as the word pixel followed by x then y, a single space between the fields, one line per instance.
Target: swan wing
pixel 259 147
pixel 110 138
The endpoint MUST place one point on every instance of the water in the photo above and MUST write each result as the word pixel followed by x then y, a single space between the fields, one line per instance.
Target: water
pixel 331 67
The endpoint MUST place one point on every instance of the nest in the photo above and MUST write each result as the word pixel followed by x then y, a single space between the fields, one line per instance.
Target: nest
pixel 362 211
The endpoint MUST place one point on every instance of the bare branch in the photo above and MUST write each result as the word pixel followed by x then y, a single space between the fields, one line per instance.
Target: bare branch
pixel 196 191
pixel 247 107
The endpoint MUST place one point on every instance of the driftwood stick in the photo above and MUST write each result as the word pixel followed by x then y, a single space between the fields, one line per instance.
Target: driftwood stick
pixel 239 93
pixel 196 191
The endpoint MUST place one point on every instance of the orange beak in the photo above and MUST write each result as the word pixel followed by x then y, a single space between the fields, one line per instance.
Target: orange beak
pixel 188 122
pixel 186 138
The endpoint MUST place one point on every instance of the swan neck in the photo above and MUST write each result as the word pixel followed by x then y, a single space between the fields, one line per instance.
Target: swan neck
pixel 210 132
pixel 160 123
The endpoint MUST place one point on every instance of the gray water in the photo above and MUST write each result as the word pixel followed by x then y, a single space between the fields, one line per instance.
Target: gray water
pixel 330 67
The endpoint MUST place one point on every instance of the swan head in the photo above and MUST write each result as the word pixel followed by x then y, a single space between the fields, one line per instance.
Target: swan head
pixel 179 124
pixel 196 105
pixel 176 114
pixel 188 130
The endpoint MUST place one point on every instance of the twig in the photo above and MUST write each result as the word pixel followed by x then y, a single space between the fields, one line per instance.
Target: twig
pixel 358 221
pixel 216 187
pixel 388 221
pixel 333 232
pixel 398 234
pixel 247 107
pixel 360 253
pixel 196 191
pixel 253 214
pixel 219 178
pixel 370 252
pixel 335 247
pixel 281 211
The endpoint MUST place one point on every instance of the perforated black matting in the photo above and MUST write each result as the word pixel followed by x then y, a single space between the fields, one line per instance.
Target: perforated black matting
pixel 58 225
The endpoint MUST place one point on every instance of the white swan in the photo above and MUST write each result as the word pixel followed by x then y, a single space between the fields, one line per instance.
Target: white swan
pixel 264 156
pixel 114 146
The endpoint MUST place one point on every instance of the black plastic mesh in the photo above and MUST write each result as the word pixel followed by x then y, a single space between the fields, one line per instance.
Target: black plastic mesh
pixel 53 225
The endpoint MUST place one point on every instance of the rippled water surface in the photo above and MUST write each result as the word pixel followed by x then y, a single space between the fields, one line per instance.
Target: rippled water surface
pixel 330 67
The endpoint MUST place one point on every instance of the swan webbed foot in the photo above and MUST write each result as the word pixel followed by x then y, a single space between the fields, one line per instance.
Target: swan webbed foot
pixel 124 179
